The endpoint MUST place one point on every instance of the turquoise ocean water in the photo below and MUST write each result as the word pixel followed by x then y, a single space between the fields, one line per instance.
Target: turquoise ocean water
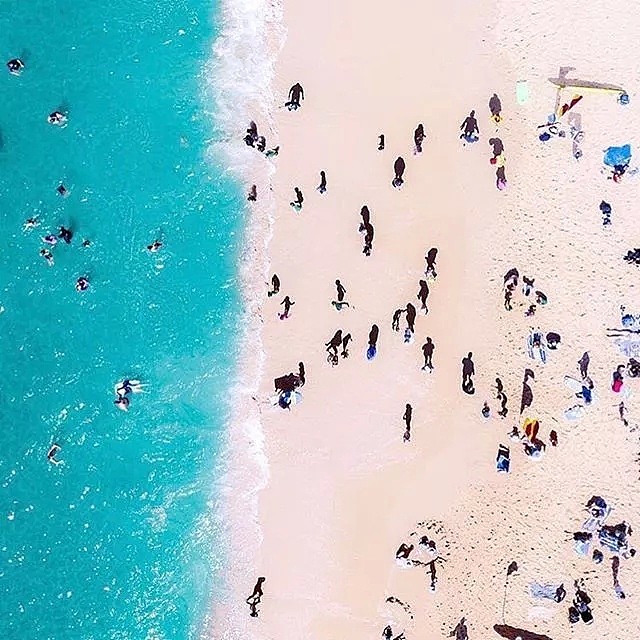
pixel 117 541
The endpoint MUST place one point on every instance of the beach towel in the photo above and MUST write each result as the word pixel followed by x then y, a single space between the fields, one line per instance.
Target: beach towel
pixel 617 156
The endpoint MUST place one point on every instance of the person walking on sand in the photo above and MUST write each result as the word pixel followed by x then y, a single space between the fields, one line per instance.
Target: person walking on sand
pixel 301 374
pixel 468 370
pixel 275 286
pixel 460 632
pixel 431 263
pixel 334 343
pixel 296 93
pixel 398 168
pixel 345 343
pixel 495 106
pixel 427 351
pixel 408 413
pixel 372 347
pixel 583 363
pixel 418 138
pixel 395 321
pixel 365 214
pixel 256 596
pixel 501 179
pixel 411 317
pixel 322 187
pixel 368 239
pixel 297 203
pixel 469 128
pixel 340 302
pixel 423 294
pixel 381 142
pixel 288 303
pixel 498 148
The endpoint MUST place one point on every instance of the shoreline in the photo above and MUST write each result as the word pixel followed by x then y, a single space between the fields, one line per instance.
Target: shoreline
pixel 343 489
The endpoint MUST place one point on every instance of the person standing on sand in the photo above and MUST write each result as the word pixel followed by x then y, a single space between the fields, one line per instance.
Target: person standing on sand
pixel 468 370
pixel 365 214
pixel 296 93
pixel 334 343
pixel 301 374
pixel 256 596
pixel 427 351
pixel 408 413
pixel 368 239
pixel 345 344
pixel 423 294
pixel 418 138
pixel 372 348
pixel 460 632
pixel 288 303
pixel 297 203
pixel 322 187
pixel 495 106
pixel 411 317
pixel 340 302
pixel 395 321
pixel 398 168
pixel 275 284
pixel 583 363
pixel 431 262
pixel 381 142
pixel 501 179
pixel 469 128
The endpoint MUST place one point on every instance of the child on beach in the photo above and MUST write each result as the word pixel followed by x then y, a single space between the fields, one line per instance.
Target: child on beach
pixel 322 187
pixel 297 203
pixel 288 303
pixel 408 412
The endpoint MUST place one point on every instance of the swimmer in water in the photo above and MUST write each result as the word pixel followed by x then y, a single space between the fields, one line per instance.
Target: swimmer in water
pixel 15 66
pixel 51 454
pixel 128 386
pixel 122 403
pixel 65 234
pixel 82 284
pixel 47 255
pixel 62 190
pixel 50 239
pixel 86 243
pixel 57 118
pixel 155 246
pixel 30 223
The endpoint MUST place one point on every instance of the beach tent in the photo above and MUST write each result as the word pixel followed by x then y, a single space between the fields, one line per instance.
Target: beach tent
pixel 617 156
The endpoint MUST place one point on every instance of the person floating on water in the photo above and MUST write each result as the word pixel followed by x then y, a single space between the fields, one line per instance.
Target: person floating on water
pixel 48 256
pixel 82 284
pixel 65 234
pixel 50 239
pixel 62 190
pixel 53 451
pixel 469 128
pixel 123 389
pixel 296 93
pixel 30 223
pixel 154 247
pixel 15 66
pixel 57 118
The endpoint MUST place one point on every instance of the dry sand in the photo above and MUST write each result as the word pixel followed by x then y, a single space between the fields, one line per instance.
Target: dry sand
pixel 344 489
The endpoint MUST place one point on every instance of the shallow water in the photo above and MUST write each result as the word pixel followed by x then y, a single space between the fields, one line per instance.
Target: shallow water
pixel 115 542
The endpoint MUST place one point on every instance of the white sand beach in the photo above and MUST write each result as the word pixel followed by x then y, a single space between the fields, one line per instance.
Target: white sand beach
pixel 344 490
